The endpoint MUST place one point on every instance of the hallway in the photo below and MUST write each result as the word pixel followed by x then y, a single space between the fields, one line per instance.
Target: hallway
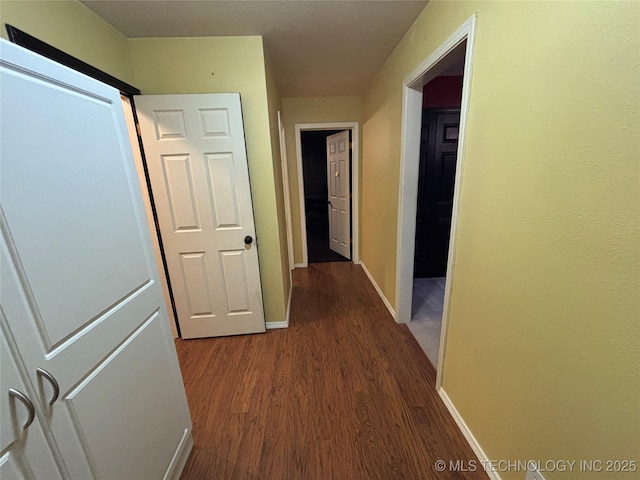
pixel 343 393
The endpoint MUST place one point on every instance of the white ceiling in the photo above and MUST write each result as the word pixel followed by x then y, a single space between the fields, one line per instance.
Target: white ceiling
pixel 318 48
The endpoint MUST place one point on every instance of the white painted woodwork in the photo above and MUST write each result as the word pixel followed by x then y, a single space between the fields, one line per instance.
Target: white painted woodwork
pixel 338 192
pixel 25 453
pixel 79 282
pixel 448 53
pixel 354 127
pixel 197 163
pixel 285 189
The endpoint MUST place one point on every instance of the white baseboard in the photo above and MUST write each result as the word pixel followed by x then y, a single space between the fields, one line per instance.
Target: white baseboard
pixel 471 440
pixel 375 285
pixel 300 265
pixel 285 324
pixel 180 457
pixel 274 325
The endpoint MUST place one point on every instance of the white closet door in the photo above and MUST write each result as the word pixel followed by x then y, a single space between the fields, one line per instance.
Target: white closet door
pixel 25 452
pixel 80 287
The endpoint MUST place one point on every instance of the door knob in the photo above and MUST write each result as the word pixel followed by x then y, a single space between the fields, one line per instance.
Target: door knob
pixel 248 240
pixel 27 403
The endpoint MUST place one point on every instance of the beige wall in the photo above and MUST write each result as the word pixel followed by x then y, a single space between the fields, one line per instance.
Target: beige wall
pixel 544 334
pixel 74 29
pixel 311 110
pixel 227 64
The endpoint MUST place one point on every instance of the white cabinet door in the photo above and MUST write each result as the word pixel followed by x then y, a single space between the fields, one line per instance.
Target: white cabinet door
pixel 80 286
pixel 197 162
pixel 25 452
pixel 338 192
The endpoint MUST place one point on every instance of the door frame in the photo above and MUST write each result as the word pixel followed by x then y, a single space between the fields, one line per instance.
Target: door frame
pixel 355 180
pixel 409 165
pixel 285 188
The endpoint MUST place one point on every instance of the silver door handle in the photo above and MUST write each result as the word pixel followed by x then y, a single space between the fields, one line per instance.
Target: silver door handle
pixel 56 388
pixel 27 403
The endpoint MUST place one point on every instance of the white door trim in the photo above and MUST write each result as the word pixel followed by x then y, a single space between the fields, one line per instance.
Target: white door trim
pixel 285 188
pixel 409 164
pixel 355 176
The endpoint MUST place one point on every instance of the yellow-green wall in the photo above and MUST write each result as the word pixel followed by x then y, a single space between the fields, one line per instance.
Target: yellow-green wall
pixel 73 28
pixel 311 110
pixel 543 347
pixel 543 351
pixel 275 106
pixel 227 64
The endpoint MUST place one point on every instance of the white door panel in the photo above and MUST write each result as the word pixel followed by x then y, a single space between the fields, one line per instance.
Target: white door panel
pixel 196 157
pixel 25 452
pixel 68 169
pixel 21 322
pixel 9 467
pixel 137 419
pixel 79 282
pixel 339 201
pixel 98 393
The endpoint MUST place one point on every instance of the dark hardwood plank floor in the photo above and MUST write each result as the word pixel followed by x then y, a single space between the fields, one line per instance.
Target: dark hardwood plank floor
pixel 343 393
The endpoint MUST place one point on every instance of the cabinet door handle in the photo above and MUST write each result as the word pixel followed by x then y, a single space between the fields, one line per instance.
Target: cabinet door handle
pixel 27 403
pixel 56 388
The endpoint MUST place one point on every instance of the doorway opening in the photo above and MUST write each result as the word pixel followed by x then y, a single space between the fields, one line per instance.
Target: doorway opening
pixel 327 162
pixel 441 99
pixel 314 165
pixel 454 56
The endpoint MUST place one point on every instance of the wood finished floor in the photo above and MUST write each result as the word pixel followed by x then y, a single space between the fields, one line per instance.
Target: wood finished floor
pixel 343 393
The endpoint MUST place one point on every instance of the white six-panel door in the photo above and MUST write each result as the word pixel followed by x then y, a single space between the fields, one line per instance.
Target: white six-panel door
pixel 79 284
pixel 339 198
pixel 197 161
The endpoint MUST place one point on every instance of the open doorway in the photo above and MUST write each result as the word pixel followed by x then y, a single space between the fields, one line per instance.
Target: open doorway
pixel 316 192
pixel 441 100
pixel 460 45
pixel 327 164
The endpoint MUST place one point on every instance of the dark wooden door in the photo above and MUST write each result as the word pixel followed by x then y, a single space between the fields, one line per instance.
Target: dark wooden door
pixel 438 152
